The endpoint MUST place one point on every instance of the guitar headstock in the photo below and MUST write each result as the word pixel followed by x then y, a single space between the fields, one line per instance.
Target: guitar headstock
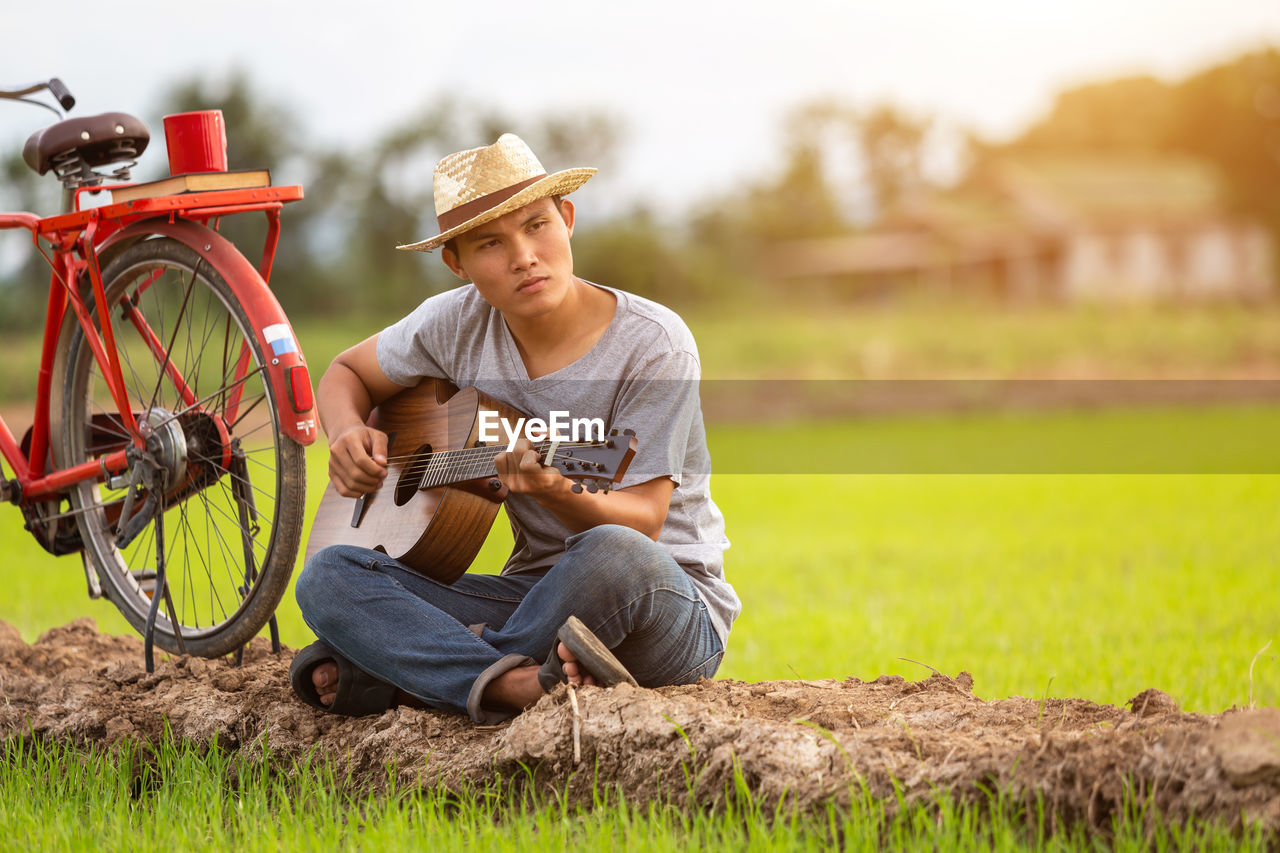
pixel 596 464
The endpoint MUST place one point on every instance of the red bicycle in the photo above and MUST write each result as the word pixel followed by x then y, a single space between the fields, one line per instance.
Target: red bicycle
pixel 172 403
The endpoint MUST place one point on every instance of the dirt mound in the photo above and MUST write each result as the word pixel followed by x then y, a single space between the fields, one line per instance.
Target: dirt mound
pixel 806 742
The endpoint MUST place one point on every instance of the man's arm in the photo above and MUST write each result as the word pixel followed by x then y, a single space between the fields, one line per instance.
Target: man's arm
pixel 345 396
pixel 642 507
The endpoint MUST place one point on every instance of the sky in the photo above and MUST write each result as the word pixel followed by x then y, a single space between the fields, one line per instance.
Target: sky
pixel 701 86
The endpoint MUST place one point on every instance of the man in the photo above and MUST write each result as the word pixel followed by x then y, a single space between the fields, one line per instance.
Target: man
pixel 636 571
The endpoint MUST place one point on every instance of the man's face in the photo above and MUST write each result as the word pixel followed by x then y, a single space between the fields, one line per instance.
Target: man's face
pixel 521 262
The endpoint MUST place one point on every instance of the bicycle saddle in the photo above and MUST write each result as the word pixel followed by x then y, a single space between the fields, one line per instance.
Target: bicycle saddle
pixel 97 138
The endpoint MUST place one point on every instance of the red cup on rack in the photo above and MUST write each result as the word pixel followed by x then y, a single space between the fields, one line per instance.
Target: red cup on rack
pixel 197 142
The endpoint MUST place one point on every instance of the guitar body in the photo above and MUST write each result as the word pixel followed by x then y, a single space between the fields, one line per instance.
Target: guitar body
pixel 437 531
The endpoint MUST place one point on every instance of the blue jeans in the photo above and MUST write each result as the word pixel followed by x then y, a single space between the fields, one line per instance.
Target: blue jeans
pixel 445 643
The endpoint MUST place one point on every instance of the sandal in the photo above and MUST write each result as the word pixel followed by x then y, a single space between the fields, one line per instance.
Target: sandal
pixel 593 656
pixel 359 693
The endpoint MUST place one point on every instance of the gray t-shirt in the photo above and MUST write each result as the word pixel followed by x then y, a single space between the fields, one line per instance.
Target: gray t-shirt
pixel 641 375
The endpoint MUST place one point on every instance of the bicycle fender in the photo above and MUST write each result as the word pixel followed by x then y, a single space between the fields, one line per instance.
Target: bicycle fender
pixel 290 380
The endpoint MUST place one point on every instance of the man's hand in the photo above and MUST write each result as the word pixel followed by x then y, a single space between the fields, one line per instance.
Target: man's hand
pixel 347 393
pixel 642 507
pixel 358 460
pixel 522 473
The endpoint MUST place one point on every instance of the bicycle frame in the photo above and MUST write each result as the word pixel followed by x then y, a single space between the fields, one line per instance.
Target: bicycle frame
pixel 83 242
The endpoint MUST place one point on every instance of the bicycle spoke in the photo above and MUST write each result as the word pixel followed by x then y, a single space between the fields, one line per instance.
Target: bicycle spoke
pixel 227 366
pixel 270 497
pixel 169 349
pixel 127 358
pixel 246 412
pixel 234 522
pixel 185 523
pixel 225 550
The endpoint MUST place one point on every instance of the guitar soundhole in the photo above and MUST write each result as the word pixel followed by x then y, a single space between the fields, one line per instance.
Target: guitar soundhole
pixel 411 476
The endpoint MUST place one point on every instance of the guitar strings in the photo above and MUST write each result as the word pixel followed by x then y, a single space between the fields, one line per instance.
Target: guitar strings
pixel 492 450
pixel 468 457
pixel 448 466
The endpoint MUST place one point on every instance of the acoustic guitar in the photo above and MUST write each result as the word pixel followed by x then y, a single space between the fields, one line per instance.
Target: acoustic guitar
pixel 441 493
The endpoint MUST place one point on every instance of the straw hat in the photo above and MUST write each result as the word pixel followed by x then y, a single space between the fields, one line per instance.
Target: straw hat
pixel 479 185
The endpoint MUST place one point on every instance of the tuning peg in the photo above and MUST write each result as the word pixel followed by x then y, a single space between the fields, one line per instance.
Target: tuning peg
pixel 568 464
pixel 630 432
pixel 610 443
pixel 607 487
pixel 613 431
pixel 592 487
pixel 576 488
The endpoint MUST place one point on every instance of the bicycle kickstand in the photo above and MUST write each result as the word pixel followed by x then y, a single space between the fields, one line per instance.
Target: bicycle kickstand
pixel 160 589
pixel 275 641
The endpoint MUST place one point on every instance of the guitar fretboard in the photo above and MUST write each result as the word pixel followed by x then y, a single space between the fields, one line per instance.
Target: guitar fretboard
pixel 455 466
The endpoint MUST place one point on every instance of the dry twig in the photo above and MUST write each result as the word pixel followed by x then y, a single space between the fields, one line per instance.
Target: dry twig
pixel 921 663
pixel 1252 704
pixel 577 726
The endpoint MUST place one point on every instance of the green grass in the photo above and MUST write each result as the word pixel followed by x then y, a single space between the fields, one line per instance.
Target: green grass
pixel 174 796
pixel 1223 439
pixel 1105 585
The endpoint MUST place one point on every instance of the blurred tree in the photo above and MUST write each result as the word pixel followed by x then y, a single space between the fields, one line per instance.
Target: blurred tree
pixel 837 156
pixel 891 144
pixel 1133 113
pixel 577 139
pixel 1228 115
pixel 876 152
pixel 800 202
pixel 388 199
pixel 262 133
pixel 24 273
pixel 633 253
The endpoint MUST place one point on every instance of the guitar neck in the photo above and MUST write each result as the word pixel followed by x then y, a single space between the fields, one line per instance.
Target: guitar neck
pixel 448 467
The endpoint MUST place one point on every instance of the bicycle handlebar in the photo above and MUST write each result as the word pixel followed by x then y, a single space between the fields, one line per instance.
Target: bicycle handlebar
pixel 61 92
pixel 55 86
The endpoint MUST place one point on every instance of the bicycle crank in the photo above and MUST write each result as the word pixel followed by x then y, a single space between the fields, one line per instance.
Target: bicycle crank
pixel 153 472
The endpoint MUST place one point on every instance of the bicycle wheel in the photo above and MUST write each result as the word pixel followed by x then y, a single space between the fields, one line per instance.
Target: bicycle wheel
pixel 234 484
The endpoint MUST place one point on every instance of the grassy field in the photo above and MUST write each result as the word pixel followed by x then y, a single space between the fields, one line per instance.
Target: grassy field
pixel 930 340
pixel 949 339
pixel 177 797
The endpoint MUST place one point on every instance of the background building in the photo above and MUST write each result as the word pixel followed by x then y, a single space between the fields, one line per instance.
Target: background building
pixel 1057 228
